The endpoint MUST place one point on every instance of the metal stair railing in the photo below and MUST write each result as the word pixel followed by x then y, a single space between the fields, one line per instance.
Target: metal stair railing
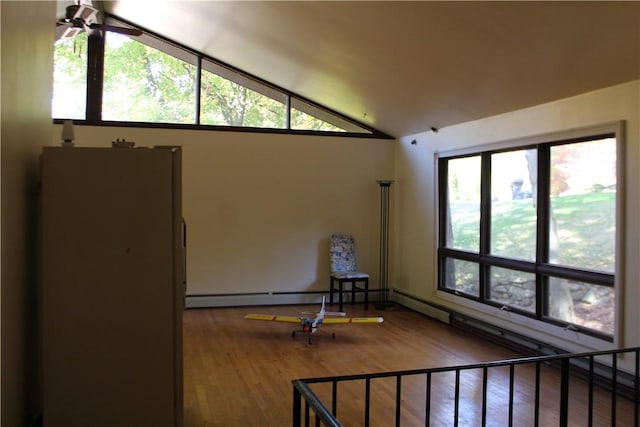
pixel 570 365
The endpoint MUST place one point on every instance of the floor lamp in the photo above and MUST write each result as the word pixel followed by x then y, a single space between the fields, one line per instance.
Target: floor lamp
pixel 385 186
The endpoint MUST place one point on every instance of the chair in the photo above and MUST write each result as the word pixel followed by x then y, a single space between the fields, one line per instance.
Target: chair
pixel 343 270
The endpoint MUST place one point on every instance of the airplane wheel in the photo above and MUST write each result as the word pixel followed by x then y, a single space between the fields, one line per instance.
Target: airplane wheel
pixel 309 341
pixel 293 334
pixel 333 335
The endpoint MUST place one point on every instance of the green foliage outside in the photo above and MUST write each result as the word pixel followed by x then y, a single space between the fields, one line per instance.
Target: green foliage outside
pixel 70 78
pixel 144 84
pixel 147 85
pixel 585 223
pixel 227 103
pixel 585 227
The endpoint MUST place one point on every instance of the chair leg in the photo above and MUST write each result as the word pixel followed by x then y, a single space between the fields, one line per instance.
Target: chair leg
pixel 341 286
pixel 330 290
pixel 353 292
pixel 366 294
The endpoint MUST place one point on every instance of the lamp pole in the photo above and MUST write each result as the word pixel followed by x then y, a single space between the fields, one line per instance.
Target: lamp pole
pixel 385 186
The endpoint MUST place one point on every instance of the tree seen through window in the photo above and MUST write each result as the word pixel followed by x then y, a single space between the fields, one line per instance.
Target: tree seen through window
pixel 144 84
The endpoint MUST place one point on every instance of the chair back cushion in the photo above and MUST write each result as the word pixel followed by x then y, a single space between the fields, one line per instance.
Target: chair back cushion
pixel 343 254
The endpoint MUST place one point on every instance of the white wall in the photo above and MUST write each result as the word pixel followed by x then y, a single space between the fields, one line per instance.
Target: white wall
pixel 260 207
pixel 27 52
pixel 416 203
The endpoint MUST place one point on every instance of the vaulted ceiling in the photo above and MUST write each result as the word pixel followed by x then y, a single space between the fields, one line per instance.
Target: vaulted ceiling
pixel 403 67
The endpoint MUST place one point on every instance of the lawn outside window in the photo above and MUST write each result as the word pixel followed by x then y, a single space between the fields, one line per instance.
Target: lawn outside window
pixel 533 227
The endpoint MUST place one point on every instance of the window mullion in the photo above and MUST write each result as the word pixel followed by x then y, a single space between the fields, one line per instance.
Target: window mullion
pixel 288 112
pixel 542 193
pixel 485 224
pixel 444 219
pixel 95 76
pixel 198 87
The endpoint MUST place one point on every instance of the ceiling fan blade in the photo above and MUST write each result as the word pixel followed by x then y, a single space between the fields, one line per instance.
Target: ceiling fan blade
pixel 84 12
pixel 113 29
pixel 71 32
pixel 62 31
pixel 67 30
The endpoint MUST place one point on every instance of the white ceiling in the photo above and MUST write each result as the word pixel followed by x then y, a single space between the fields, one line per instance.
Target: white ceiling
pixel 403 67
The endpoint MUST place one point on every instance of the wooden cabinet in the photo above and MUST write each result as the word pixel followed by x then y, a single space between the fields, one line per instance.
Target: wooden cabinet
pixel 112 287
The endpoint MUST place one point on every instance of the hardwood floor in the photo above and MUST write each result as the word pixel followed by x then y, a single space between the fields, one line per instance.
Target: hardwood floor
pixel 238 372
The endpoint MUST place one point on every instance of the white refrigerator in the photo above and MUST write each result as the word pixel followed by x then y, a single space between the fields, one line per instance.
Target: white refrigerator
pixel 112 286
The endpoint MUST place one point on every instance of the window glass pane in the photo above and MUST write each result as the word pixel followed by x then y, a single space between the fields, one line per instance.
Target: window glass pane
pixel 304 121
pixel 70 78
pixel 513 288
pixel 462 276
pixel 306 116
pixel 224 102
pixel 144 84
pixel 583 205
pixel 583 304
pixel 513 210
pixel 463 209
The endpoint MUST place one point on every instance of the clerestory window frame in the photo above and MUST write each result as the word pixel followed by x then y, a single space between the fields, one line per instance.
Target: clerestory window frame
pixel 292 102
pixel 540 267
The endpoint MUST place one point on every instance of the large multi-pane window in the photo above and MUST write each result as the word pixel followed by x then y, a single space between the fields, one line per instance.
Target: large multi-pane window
pixel 534 229
pixel 147 79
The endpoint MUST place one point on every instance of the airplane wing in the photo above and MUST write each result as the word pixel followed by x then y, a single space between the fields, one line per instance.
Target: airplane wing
pixel 273 318
pixel 343 320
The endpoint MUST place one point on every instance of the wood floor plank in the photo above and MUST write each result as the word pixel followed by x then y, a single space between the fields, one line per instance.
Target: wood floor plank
pixel 238 372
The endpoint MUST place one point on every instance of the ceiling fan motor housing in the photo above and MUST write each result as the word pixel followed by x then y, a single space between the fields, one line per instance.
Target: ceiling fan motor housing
pixel 83 13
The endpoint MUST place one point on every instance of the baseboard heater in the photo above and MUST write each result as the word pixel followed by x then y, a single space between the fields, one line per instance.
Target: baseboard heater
pixel 625 382
pixel 602 373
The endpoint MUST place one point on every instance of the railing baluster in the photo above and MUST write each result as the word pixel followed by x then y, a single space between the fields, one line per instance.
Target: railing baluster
pixel 637 385
pixel 485 379
pixel 536 420
pixel 428 401
pixel 367 401
pixel 614 386
pixel 511 387
pixel 590 421
pixel 398 398
pixel 297 401
pixel 564 392
pixel 334 394
pixel 456 399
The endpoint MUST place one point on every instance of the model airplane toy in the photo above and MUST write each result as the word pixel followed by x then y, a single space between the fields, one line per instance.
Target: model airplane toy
pixel 311 324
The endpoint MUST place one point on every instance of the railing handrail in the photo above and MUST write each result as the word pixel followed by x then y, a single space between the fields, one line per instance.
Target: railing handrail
pixel 314 403
pixel 302 390
pixel 491 364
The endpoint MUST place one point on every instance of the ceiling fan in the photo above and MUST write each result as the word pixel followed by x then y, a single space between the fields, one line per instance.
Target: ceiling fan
pixel 82 16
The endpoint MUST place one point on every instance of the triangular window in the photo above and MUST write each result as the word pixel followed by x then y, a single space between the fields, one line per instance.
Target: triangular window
pixel 149 79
